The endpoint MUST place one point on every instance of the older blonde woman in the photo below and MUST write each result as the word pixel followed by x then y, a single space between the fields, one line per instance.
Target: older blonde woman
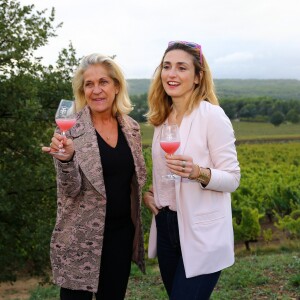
pixel 99 182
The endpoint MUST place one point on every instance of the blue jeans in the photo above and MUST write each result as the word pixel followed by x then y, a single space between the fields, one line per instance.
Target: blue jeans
pixel 171 264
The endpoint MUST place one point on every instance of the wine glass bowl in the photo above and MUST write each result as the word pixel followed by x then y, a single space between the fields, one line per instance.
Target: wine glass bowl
pixel 65 119
pixel 65 115
pixel 169 147
pixel 169 142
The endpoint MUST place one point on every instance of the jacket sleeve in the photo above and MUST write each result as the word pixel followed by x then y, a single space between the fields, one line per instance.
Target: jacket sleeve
pixel 68 178
pixel 225 173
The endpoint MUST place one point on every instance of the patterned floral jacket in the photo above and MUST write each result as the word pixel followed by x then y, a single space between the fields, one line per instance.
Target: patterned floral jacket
pixel 76 242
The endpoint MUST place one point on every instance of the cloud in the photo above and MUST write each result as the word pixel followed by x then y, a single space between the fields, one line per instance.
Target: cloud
pixel 235 58
pixel 239 38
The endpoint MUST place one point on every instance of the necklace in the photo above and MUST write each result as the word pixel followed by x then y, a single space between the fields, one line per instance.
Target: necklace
pixel 106 130
pixel 107 133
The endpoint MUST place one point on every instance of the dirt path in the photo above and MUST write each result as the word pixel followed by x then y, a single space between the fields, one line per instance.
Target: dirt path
pixel 18 290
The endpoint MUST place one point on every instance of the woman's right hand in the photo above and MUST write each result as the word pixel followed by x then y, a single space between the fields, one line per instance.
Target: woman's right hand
pixel 60 142
pixel 149 201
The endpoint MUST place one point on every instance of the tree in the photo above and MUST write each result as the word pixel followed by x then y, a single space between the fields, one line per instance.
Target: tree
pixel 293 116
pixel 28 92
pixel 230 108
pixel 248 111
pixel 22 31
pixel 277 118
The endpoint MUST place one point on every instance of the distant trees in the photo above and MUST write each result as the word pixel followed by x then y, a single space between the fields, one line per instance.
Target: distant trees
pixel 293 116
pixel 140 107
pixel 262 109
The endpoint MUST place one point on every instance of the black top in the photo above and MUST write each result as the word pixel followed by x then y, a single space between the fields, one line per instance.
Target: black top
pixel 118 169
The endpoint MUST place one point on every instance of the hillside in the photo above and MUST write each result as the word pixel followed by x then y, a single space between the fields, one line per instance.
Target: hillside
pixel 237 88
pixel 138 86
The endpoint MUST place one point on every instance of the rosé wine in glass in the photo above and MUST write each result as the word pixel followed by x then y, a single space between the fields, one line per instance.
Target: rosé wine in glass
pixel 65 124
pixel 169 147
pixel 169 142
pixel 65 119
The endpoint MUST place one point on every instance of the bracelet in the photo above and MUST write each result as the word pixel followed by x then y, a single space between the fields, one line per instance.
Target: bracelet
pixel 194 178
pixel 203 177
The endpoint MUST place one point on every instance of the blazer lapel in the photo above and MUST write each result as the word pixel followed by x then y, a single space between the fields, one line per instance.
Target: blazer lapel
pixel 132 135
pixel 184 130
pixel 87 150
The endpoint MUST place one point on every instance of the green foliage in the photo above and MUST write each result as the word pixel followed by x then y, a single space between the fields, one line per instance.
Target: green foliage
pixel 277 118
pixel 22 30
pixel 29 94
pixel 246 100
pixel 270 179
pixel 293 116
pixel 261 109
pixel 290 223
pixel 295 280
pixel 55 82
pixel 268 235
pixel 140 107
pixel 138 86
pixel 146 214
pixel 248 229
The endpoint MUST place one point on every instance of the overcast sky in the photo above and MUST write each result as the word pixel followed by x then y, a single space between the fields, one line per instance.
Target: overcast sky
pixel 240 38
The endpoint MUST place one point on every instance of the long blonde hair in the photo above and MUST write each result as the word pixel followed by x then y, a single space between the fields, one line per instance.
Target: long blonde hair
pixel 122 103
pixel 158 100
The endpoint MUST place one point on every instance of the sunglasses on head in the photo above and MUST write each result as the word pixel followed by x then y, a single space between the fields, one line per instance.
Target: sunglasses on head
pixel 189 44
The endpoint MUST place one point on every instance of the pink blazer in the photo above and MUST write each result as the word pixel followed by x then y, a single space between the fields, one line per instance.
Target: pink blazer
pixel 204 214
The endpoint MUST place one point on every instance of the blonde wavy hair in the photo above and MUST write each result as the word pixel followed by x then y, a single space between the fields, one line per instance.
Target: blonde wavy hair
pixel 122 103
pixel 160 104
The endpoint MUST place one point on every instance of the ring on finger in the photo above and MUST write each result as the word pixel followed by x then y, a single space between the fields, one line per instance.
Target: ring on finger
pixel 183 163
pixel 182 169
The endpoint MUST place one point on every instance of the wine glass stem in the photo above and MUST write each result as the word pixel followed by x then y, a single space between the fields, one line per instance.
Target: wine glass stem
pixel 64 137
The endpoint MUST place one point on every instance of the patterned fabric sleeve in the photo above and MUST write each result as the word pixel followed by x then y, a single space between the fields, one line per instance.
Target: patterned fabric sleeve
pixel 68 178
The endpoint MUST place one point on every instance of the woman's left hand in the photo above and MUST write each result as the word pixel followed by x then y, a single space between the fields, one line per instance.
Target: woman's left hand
pixel 181 165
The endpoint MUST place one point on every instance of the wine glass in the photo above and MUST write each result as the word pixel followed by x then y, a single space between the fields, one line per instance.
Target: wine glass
pixel 169 142
pixel 65 119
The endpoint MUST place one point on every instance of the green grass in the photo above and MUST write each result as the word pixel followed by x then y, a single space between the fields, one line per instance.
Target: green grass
pixel 245 131
pixel 268 276
pixel 45 293
pixel 260 277
pixel 252 130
